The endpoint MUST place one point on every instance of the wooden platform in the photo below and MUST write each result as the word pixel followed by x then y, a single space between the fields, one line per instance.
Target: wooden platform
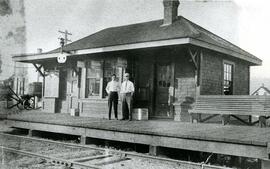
pixel 241 141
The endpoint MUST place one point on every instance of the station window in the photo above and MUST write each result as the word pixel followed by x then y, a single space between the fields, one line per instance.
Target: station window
pixel 98 74
pixel 93 78
pixel 111 67
pixel 228 79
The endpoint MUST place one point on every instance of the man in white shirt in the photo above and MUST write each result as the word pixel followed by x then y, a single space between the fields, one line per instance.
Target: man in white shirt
pixel 127 90
pixel 112 88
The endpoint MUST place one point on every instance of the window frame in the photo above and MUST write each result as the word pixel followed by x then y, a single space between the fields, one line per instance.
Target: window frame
pixel 99 95
pixel 102 84
pixel 232 75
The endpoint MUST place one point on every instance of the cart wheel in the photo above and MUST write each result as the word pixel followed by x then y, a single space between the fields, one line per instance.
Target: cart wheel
pixel 29 104
pixel 20 106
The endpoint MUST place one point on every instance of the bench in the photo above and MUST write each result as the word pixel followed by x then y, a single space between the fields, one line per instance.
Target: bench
pixel 234 106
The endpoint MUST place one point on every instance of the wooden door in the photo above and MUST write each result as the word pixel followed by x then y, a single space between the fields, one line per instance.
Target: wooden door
pixel 72 92
pixel 62 99
pixel 163 82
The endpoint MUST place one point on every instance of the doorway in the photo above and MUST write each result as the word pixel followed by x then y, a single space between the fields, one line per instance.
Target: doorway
pixel 62 99
pixel 72 90
pixel 163 83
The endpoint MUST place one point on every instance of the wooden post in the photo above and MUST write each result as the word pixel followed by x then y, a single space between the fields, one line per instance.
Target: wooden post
pixel 80 102
pixel 83 81
pixel 250 120
pixel 101 94
pixel 225 119
pixel 153 150
pixel 262 121
pixel 191 117
pixel 195 117
pixel 172 95
pixel 199 118
pixel 83 140
pixel 81 85
pixel 30 133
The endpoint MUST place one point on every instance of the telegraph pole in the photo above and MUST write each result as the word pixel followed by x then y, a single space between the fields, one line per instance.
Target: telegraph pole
pixel 63 41
pixel 66 34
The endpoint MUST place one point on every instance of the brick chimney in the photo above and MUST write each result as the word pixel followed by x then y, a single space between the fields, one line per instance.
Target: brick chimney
pixel 170 11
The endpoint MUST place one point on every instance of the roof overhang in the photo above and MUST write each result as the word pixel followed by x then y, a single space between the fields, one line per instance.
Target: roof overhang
pixel 32 58
pixel 249 58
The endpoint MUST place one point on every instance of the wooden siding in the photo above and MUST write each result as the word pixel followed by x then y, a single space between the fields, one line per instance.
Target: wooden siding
pixel 49 104
pixel 212 74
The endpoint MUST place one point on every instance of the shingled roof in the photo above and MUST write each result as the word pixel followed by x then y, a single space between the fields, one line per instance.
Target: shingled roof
pixel 152 31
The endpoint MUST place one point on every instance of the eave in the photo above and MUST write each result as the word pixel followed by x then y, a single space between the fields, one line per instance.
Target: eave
pixel 251 58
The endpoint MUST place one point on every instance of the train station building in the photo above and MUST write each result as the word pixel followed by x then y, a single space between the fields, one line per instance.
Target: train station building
pixel 171 61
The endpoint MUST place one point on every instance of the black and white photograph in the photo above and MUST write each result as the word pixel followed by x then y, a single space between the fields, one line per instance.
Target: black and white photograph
pixel 134 84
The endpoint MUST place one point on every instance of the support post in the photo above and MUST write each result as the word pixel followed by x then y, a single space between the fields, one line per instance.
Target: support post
pixel 199 117
pixel 225 119
pixel 191 117
pixel 250 120
pixel 31 133
pixel 153 150
pixel 262 121
pixel 83 140
pixel 195 117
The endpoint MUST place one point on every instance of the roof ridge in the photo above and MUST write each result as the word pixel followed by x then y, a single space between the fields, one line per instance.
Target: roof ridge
pixel 138 23
pixel 54 50
pixel 108 28
pixel 188 23
pixel 153 31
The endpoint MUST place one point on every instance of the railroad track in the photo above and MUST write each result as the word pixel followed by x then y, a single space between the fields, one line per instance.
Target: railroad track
pixel 92 157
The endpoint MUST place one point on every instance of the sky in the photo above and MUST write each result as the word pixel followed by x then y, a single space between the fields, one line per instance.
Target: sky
pixel 242 22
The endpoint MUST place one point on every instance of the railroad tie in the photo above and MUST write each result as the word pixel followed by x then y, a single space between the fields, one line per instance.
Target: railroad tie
pixel 116 159
pixel 84 159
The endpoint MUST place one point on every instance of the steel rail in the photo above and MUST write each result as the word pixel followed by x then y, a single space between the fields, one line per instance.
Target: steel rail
pixel 131 154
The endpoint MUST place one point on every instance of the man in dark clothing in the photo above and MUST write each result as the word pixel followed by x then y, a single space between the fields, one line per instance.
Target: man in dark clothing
pixel 113 87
